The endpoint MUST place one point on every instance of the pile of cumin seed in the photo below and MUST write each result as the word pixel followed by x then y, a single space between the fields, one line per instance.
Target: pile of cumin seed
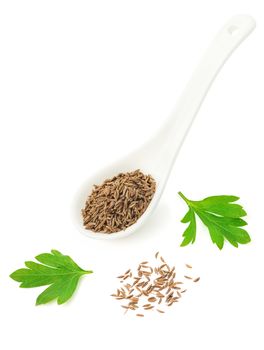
pixel 119 202
pixel 151 288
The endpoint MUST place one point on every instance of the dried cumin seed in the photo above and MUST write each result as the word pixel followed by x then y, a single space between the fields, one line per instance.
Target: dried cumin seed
pixel 160 295
pixel 145 293
pixel 152 299
pixel 161 266
pixel 149 308
pixel 196 279
pixel 120 276
pixel 156 255
pixel 140 315
pixel 140 284
pixel 161 258
pixel 145 273
pixel 151 288
pixel 188 277
pixel 189 266
pixel 160 311
pixel 134 299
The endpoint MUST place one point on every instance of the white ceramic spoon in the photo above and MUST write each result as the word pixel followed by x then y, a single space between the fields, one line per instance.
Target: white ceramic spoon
pixel 157 156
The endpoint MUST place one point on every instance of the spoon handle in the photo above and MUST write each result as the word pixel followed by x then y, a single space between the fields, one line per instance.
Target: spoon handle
pixel 227 40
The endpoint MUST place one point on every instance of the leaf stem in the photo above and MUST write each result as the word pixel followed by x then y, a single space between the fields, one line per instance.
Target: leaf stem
pixel 184 198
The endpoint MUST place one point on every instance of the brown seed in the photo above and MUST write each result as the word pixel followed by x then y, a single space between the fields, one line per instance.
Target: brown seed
pixel 157 285
pixel 189 266
pixel 169 289
pixel 134 299
pixel 140 315
pixel 161 311
pixel 152 299
pixel 196 279
pixel 118 202
pixel 149 307
pixel 160 295
pixel 161 258
pixel 188 277
pixel 156 255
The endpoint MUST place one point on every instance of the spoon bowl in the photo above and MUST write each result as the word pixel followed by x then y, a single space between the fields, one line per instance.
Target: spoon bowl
pixel 158 155
pixel 134 161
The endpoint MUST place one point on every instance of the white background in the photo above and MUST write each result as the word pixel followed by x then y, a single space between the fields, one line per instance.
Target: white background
pixel 84 82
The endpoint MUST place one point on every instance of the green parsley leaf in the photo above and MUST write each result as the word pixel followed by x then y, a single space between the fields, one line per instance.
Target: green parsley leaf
pixel 222 218
pixel 57 270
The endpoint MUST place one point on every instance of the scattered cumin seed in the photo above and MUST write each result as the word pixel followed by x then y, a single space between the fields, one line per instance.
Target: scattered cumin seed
pixel 189 266
pixel 161 258
pixel 152 299
pixel 160 311
pixel 140 315
pixel 149 307
pixel 188 277
pixel 148 287
pixel 196 279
